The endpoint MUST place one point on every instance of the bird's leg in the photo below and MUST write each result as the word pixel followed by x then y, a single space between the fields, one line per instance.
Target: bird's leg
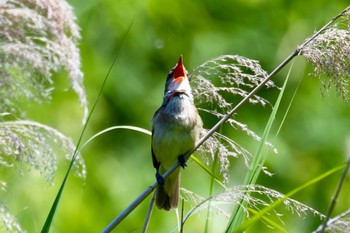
pixel 160 178
pixel 182 161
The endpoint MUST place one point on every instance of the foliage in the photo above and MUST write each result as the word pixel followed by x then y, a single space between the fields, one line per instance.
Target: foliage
pixel 234 76
pixel 37 39
pixel 256 196
pixel 200 30
pixel 330 55
pixel 34 144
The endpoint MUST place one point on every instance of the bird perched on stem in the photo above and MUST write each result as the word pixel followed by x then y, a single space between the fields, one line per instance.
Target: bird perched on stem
pixel 176 127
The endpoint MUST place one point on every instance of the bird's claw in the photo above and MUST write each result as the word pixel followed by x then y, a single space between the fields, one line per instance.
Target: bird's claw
pixel 182 161
pixel 160 178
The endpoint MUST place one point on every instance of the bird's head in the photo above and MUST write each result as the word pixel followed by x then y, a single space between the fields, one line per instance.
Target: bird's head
pixel 177 80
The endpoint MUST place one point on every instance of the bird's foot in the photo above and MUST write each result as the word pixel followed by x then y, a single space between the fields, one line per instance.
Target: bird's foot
pixel 182 161
pixel 160 178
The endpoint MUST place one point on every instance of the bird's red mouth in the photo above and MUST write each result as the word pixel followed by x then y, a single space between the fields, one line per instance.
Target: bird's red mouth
pixel 179 72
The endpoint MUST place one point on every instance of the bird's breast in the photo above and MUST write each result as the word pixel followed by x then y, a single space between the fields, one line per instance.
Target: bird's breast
pixel 180 110
pixel 176 129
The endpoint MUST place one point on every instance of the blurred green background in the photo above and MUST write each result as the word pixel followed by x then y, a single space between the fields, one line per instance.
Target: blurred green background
pixel 119 166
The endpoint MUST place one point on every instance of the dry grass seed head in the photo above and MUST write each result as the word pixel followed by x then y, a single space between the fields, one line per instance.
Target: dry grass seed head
pixel 257 197
pixel 329 53
pixel 36 145
pixel 214 84
pixel 37 38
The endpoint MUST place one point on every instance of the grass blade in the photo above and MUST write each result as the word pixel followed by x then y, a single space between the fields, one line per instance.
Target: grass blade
pixel 257 161
pixel 264 211
pixel 269 221
pixel 128 127
pixel 206 169
pixel 338 189
pixel 51 215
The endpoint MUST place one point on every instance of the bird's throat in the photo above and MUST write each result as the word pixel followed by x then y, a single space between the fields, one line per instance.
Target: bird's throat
pixel 177 94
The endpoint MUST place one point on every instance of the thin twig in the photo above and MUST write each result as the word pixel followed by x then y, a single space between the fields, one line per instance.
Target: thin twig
pixel 209 133
pixel 148 216
pixel 334 220
pixel 339 187
pixel 182 216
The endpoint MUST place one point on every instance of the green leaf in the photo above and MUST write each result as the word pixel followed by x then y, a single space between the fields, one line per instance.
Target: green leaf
pixel 51 215
pixel 257 162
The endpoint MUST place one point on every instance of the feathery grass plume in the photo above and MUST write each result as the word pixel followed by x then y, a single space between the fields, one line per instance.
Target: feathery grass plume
pixel 225 148
pixel 215 82
pixel 340 223
pixel 329 53
pixel 35 144
pixel 37 38
pixel 30 144
pixel 9 222
pixel 232 73
pixel 256 196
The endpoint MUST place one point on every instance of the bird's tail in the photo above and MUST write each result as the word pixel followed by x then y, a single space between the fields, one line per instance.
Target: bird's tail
pixel 167 195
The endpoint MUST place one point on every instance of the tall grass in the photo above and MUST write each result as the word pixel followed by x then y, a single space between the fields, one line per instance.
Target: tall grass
pixel 44 41
pixel 228 69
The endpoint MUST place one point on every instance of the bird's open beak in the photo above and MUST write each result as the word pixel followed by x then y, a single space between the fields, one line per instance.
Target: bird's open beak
pixel 180 71
pixel 180 81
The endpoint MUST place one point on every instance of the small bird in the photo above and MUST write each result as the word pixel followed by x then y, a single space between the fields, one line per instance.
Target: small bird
pixel 176 128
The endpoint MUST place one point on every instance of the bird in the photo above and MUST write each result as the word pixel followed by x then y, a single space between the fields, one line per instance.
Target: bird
pixel 176 127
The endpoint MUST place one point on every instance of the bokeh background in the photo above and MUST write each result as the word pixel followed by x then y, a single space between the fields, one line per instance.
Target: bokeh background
pixel 311 141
